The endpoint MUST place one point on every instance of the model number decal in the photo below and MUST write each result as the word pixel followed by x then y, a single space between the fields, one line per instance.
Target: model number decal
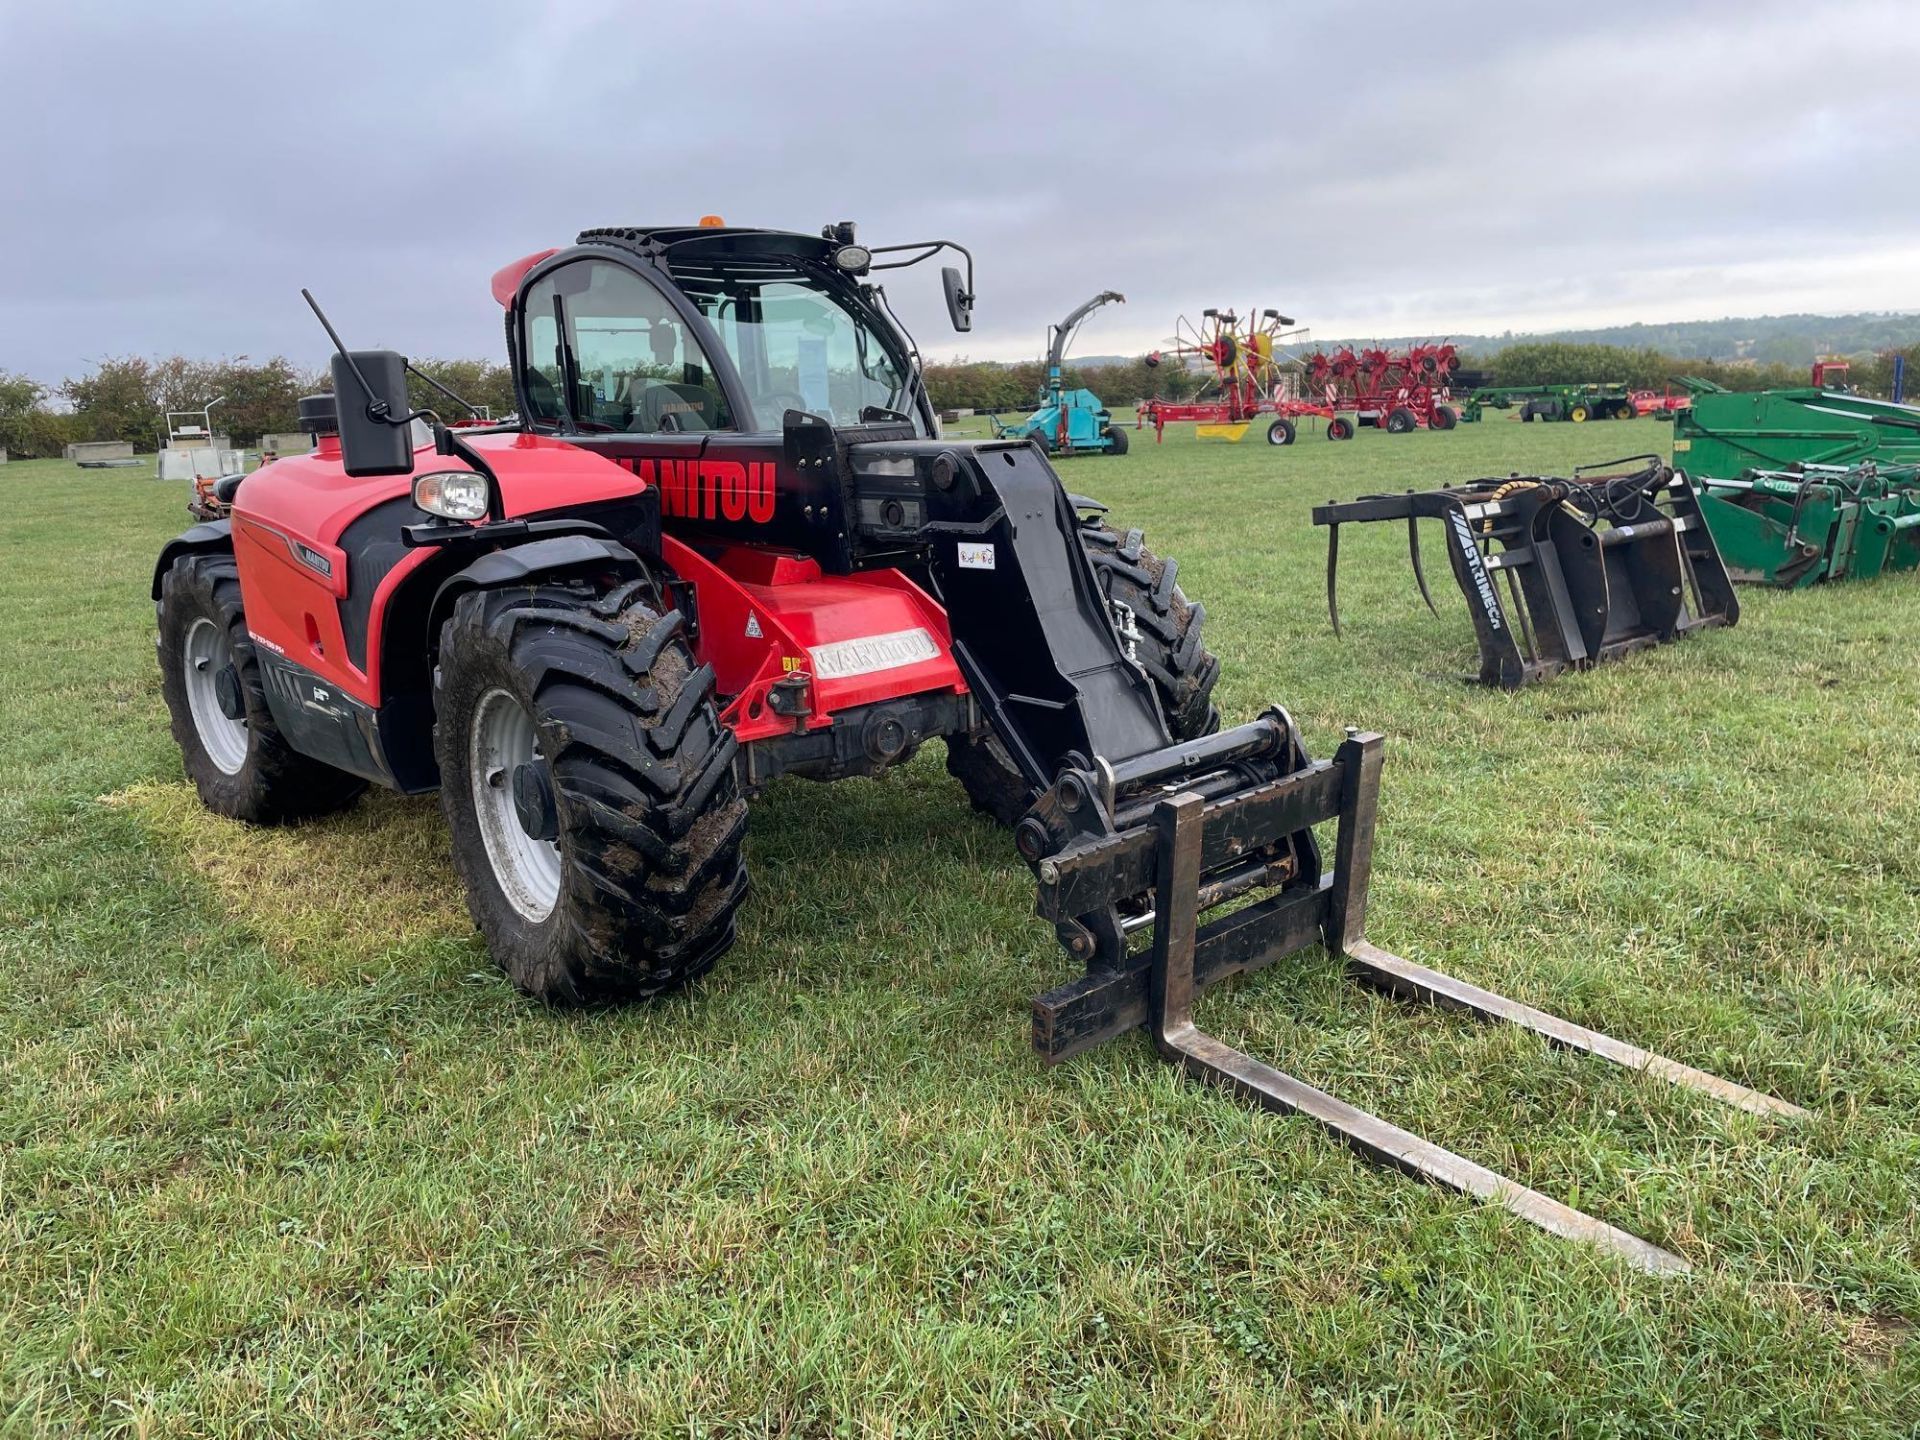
pixel 710 489
pixel 1476 567
pixel 976 557
pixel 843 659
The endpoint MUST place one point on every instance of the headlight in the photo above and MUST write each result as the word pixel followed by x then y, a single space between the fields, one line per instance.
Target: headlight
pixel 854 259
pixel 452 494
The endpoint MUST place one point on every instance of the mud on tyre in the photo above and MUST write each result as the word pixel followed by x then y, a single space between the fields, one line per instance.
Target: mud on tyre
pixel 589 785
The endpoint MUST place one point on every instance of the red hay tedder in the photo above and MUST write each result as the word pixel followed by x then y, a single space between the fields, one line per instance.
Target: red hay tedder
pixel 1394 392
pixel 1245 357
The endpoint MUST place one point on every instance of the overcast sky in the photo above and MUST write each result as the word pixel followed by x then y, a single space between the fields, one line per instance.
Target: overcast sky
pixel 175 172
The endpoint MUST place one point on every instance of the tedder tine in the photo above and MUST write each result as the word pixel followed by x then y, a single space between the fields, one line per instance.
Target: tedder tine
pixel 1413 554
pixel 1333 573
pixel 1170 1017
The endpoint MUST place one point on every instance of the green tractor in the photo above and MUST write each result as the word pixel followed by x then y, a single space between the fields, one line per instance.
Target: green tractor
pixel 1578 403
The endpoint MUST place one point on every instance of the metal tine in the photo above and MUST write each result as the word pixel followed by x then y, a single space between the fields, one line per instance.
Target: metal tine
pixel 1347 933
pixel 1333 572
pixel 1170 1019
pixel 1408 980
pixel 1413 554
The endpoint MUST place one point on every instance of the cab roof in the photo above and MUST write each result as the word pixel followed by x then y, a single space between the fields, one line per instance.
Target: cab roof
pixel 705 246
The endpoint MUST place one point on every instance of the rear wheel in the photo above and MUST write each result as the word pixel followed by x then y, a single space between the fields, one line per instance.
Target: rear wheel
pixel 1169 648
pixel 589 787
pixel 1339 430
pixel 1280 432
pixel 1401 420
pixel 234 753
pixel 1116 440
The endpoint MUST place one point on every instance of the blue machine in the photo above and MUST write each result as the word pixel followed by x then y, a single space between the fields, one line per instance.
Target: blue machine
pixel 1068 422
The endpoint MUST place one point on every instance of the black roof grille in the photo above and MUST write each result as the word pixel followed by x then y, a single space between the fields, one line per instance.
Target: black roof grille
pixel 735 243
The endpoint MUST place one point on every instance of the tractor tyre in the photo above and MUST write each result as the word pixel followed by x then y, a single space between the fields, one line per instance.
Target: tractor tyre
pixel 238 760
pixel 1339 429
pixel 589 785
pixel 1623 410
pixel 1116 440
pixel 1401 421
pixel 1170 649
pixel 1445 417
pixel 1043 440
pixel 1280 432
pixel 1578 414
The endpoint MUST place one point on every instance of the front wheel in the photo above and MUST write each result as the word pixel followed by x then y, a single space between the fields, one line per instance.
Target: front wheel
pixel 1401 420
pixel 589 787
pixel 1280 432
pixel 239 762
pixel 1339 430
pixel 1445 417
pixel 1578 414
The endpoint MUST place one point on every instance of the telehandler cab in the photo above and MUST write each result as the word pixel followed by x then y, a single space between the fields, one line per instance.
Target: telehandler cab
pixel 724 542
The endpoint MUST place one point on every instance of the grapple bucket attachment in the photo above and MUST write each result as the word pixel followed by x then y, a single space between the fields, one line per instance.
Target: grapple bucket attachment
pixel 1562 574
pixel 1167 844
pixel 1795 527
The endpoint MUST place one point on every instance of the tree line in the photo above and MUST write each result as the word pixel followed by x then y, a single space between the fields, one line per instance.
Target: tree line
pixel 127 399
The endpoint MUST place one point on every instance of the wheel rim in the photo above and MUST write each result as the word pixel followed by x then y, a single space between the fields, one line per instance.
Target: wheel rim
pixel 207 653
pixel 527 869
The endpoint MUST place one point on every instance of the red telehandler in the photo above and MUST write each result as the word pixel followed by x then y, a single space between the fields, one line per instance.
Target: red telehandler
pixel 724 542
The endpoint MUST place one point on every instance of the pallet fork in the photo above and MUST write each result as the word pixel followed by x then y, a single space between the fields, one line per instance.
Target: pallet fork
pixel 1562 574
pixel 1192 851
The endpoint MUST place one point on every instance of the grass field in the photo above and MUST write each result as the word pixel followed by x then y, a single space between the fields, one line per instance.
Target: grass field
pixel 284 1156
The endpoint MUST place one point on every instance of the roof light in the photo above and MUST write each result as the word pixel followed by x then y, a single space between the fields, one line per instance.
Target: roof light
pixel 712 222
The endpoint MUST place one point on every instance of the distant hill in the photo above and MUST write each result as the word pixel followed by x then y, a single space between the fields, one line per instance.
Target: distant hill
pixel 1763 339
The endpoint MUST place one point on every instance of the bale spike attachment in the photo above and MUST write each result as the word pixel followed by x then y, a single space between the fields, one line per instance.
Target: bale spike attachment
pixel 1179 844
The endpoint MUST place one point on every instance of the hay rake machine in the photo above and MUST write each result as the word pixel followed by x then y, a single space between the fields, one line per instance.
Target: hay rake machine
pixel 1562 574
pixel 1245 357
pixel 1395 392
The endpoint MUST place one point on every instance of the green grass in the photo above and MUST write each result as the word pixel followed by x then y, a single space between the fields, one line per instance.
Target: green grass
pixel 284 1156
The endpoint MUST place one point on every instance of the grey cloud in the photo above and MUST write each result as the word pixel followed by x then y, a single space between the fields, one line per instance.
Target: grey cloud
pixel 179 171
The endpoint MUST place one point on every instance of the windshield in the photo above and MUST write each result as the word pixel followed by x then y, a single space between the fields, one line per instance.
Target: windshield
pixel 799 346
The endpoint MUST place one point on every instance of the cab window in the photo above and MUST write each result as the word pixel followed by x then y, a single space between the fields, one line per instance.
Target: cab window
pixel 606 354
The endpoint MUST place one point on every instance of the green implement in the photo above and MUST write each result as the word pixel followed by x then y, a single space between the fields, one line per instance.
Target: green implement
pixel 1796 527
pixel 1725 434
pixel 1600 400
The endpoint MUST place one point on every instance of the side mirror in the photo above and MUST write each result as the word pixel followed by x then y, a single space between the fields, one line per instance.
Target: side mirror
pixel 959 299
pixel 369 444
